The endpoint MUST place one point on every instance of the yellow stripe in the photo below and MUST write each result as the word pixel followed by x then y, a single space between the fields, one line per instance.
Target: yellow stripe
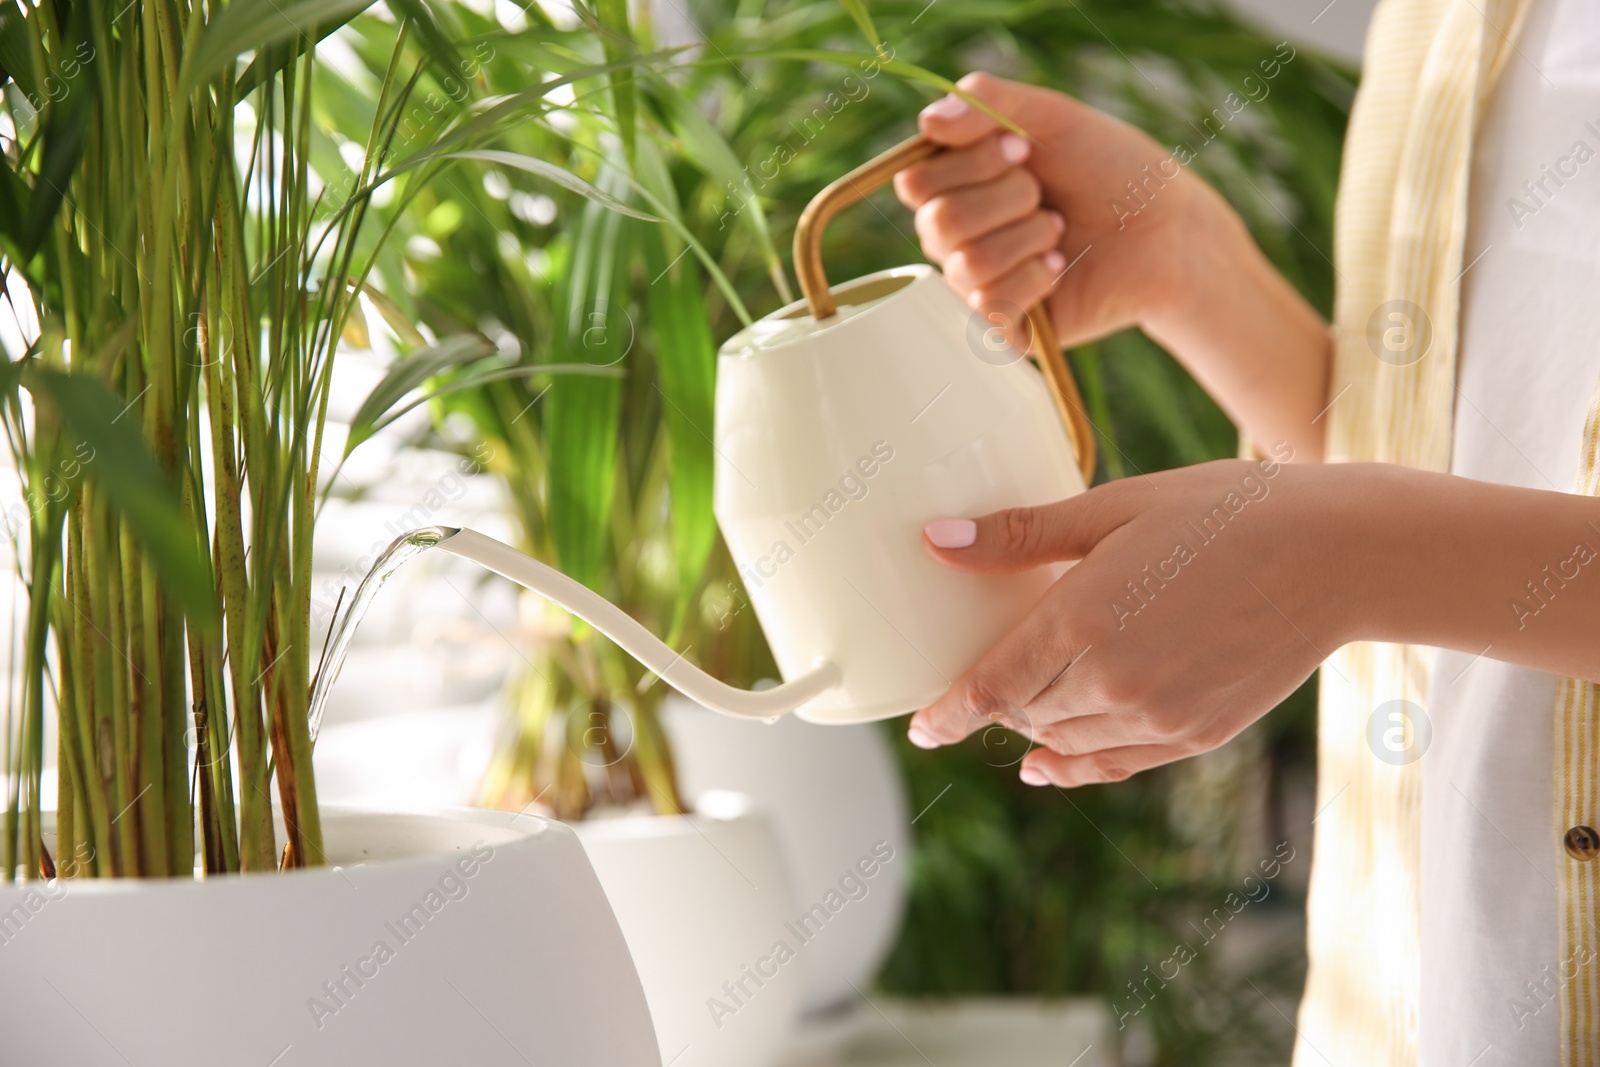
pixel 1578 770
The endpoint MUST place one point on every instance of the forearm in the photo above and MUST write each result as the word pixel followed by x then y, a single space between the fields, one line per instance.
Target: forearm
pixel 1251 340
pixel 1434 559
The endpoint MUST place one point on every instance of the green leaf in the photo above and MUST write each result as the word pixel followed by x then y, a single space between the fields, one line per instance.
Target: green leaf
pixel 908 71
pixel 707 149
pixel 549 171
pixel 398 320
pixel 472 381
pixel 617 41
pixel 264 66
pixel 863 19
pixel 16 56
pixel 581 414
pixel 435 41
pixel 66 124
pixel 408 374
pixel 14 196
pixel 686 364
pixel 124 469
pixel 255 25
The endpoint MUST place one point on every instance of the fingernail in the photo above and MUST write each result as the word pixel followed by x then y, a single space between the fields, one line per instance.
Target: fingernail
pixel 1058 220
pixel 947 108
pixel 920 737
pixel 1031 775
pixel 1013 149
pixel 952 533
pixel 1055 262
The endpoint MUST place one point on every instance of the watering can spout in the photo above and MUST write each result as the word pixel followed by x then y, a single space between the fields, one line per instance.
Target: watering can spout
pixel 632 637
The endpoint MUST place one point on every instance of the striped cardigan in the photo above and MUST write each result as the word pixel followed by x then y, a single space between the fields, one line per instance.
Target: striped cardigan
pixel 1400 230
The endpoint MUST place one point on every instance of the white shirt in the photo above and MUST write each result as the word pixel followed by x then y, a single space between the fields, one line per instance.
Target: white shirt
pixel 1528 364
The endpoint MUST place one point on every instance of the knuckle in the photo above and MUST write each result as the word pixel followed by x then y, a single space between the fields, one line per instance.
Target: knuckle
pixel 981 698
pixel 911 187
pixel 984 262
pixel 1024 187
pixel 937 218
pixel 979 82
pixel 1214 735
pixel 1069 743
pixel 1161 728
pixel 945 215
pixel 1109 769
pixel 1020 530
pixel 1125 689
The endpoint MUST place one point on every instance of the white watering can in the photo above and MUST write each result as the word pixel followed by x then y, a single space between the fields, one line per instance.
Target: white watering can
pixel 844 422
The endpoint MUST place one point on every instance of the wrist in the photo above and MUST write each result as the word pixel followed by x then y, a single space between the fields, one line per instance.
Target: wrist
pixel 1371 527
pixel 1212 252
pixel 1436 559
pixel 1248 337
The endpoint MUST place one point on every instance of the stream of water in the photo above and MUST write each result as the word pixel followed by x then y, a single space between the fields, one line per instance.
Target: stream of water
pixel 343 628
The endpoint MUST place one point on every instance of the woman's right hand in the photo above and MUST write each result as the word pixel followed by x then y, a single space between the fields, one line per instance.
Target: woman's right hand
pixel 1115 231
pixel 1091 212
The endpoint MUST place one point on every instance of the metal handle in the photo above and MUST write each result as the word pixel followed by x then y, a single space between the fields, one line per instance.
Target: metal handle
pixel 814 284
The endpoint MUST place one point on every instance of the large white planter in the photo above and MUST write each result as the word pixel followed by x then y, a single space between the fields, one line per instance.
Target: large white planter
pixel 836 796
pixel 467 937
pixel 703 901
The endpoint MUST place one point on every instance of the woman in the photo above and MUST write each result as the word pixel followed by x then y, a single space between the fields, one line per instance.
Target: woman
pixel 1435 541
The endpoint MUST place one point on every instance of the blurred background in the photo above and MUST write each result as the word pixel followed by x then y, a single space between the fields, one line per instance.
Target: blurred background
pixel 457 689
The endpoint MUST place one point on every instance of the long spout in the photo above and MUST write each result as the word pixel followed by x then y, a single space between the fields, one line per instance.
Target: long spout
pixel 634 639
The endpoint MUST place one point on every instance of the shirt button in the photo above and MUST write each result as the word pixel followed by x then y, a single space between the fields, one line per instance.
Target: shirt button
pixel 1582 843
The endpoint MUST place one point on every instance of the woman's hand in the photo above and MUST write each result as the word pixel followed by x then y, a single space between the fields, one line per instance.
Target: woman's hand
pixel 1115 231
pixel 1198 603
pixel 1006 216
pixel 1203 596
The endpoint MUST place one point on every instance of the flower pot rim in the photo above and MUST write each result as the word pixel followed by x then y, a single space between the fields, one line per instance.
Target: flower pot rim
pixel 713 808
pixel 512 830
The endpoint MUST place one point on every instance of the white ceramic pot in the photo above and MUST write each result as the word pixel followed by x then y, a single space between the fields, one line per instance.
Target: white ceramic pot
pixel 457 937
pixel 837 442
pixel 703 900
pixel 835 795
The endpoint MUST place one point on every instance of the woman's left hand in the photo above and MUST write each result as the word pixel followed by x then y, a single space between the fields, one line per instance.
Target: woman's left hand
pixel 1201 598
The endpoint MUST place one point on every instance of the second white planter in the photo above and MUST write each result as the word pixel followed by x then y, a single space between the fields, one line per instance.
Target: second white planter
pixel 705 906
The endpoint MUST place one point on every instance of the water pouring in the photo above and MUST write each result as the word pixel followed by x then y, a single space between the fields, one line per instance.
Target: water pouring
pixel 844 422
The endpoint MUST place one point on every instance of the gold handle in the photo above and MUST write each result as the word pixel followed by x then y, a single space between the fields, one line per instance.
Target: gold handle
pixel 814 284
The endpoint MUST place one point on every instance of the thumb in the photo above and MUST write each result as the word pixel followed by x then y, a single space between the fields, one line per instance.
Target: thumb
pixel 1016 539
pixel 953 121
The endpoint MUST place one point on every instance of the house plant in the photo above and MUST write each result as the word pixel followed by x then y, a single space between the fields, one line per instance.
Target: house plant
pixel 181 276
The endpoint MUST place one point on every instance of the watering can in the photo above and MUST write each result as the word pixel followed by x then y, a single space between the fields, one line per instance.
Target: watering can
pixel 844 422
